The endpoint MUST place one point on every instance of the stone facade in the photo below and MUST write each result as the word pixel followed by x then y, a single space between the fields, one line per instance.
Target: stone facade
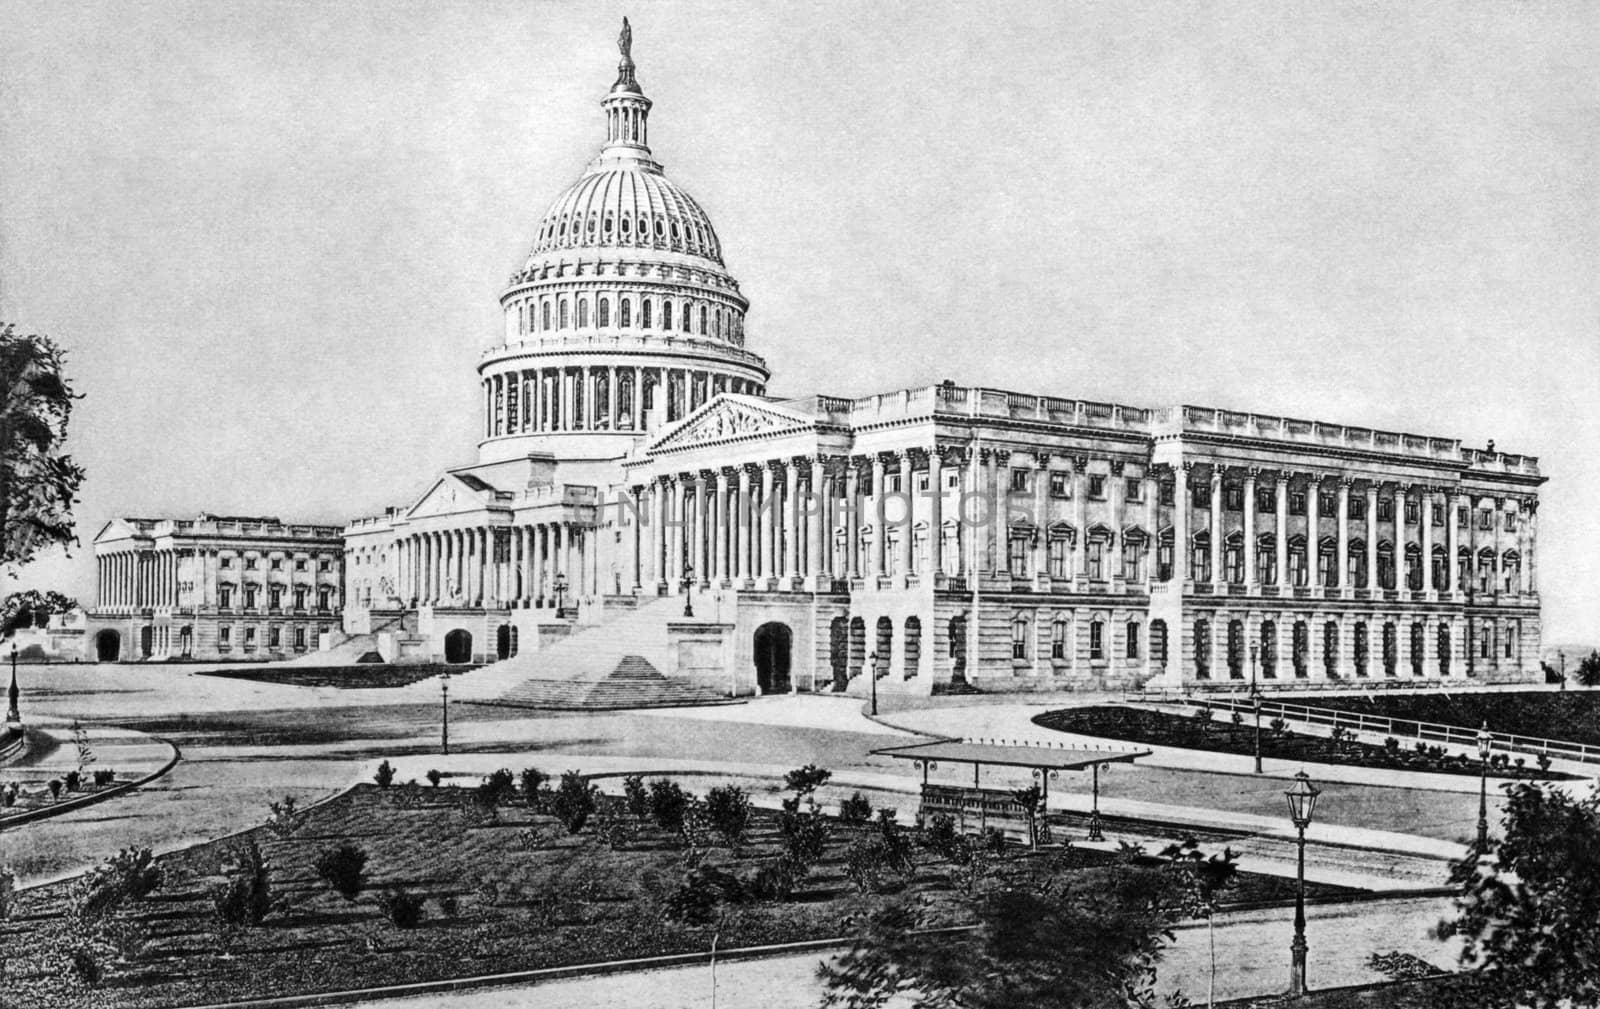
pixel 937 535
pixel 222 587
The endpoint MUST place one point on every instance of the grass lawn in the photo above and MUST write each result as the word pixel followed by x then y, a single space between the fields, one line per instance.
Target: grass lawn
pixel 358 677
pixel 1222 735
pixel 1574 716
pixel 505 890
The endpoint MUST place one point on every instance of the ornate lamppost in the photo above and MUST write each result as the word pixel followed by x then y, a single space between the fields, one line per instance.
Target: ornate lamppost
pixel 1255 700
pixel 687 584
pixel 13 715
pixel 560 591
pixel 444 711
pixel 1302 797
pixel 872 665
pixel 1485 744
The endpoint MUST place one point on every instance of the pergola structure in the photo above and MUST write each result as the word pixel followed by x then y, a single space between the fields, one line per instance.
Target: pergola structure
pixel 1043 759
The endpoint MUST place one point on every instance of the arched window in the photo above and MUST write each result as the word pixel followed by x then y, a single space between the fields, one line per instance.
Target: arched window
pixel 1444 649
pixel 1202 649
pixel 565 319
pixel 1418 639
pixel 583 313
pixel 1158 642
pixel 1386 565
pixel 1058 639
pixel 1361 648
pixel 1413 567
pixel 1510 572
pixel 1269 649
pixel 885 644
pixel 1200 558
pixel 688 318
pixel 1300 648
pixel 1391 649
pixel 1131 640
pixel 644 313
pixel 1236 649
pixel 1330 649
pixel 1019 637
pixel 603 314
pixel 545 324
pixel 625 314
pixel 913 646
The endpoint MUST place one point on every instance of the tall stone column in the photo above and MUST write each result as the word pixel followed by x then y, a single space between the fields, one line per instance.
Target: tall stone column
pixel 875 560
pixel 816 507
pixel 1281 532
pixel 742 518
pixel 702 529
pixel 721 524
pixel 1251 575
pixel 1041 525
pixel 1216 526
pixel 1182 550
pixel 791 521
pixel 1425 520
pixel 1530 540
pixel 765 519
pixel 1497 525
pixel 1313 527
pixel 1373 582
pixel 613 422
pixel 852 530
pixel 936 511
pixel 1342 574
pixel 908 523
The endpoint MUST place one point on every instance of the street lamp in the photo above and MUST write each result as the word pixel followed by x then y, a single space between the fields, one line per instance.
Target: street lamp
pixel 13 716
pixel 687 584
pixel 560 591
pixel 1485 744
pixel 444 710
pixel 872 664
pixel 1302 797
pixel 1255 700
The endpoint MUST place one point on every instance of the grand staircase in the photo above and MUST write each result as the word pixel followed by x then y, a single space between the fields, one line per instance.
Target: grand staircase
pixel 610 666
pixel 350 649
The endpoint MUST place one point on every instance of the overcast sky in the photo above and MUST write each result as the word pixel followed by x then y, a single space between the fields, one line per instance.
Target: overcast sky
pixel 272 234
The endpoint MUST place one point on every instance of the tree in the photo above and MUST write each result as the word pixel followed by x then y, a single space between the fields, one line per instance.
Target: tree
pixel 31 608
pixel 1201 881
pixel 38 481
pixel 1091 939
pixel 1527 912
pixel 1588 672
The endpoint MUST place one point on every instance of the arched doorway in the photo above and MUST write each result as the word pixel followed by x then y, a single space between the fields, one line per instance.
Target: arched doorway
pixel 772 658
pixel 458 646
pixel 146 641
pixel 839 652
pixel 107 646
pixel 502 641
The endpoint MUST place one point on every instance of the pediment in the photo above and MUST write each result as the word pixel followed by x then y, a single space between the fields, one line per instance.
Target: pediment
pixel 731 418
pixel 116 529
pixel 451 495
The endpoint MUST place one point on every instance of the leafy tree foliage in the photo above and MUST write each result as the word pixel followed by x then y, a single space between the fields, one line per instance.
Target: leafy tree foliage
pixel 244 899
pixel 807 779
pixel 343 868
pixel 1588 672
pixel 1527 915
pixel 669 803
pixel 38 480
pixel 31 608
pixel 574 801
pixel 728 813
pixel 1089 940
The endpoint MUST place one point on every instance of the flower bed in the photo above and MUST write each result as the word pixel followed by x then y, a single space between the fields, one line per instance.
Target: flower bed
pixel 358 677
pixel 500 888
pixel 1217 731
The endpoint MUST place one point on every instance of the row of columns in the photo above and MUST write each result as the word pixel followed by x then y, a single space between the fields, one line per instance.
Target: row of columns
pixel 1430 497
pixel 499 566
pixel 137 579
pixel 594 398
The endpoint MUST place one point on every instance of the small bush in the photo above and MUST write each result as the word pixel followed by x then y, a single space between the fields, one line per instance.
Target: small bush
pixel 728 813
pixel 668 804
pixel 384 776
pixel 8 888
pixel 777 878
pixel 55 788
pixel 807 779
pixel 855 809
pixel 1544 761
pixel 497 789
pixel 245 898
pixel 342 867
pixel 574 801
pixel 533 782
pixel 1391 746
pixel 74 779
pixel 636 795
pixel 434 777
pixel 940 836
pixel 104 776
pixel 805 835
pixel 401 907
pixel 86 965
pixel 131 874
pixel 284 817
pixel 449 905
pixel 695 901
pixel 992 841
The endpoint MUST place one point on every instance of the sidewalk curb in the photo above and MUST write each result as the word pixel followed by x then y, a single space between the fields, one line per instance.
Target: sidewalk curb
pixel 94 798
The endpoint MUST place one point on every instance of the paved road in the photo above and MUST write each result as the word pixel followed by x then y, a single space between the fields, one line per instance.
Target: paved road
pixel 1253 959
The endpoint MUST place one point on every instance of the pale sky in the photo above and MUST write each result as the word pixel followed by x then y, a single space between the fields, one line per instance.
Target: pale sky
pixel 273 234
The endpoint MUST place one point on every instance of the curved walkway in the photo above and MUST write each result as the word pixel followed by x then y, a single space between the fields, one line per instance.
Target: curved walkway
pixel 52 752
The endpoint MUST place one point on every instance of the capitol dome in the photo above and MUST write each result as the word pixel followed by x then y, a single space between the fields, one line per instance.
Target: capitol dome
pixel 623 316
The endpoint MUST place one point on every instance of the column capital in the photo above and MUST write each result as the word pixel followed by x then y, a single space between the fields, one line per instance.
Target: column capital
pixel 1080 463
pixel 1345 483
pixel 1251 473
pixel 1117 466
pixel 1041 460
pixel 1282 478
pixel 952 455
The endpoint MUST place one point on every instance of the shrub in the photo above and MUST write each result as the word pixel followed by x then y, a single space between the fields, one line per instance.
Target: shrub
pixel 777 878
pixel 1278 726
pixel 131 874
pixel 992 841
pixel 574 801
pixel 668 804
pixel 805 835
pixel 55 788
pixel 807 779
pixel 342 868
pixel 855 809
pixel 1391 746
pixel 940 836
pixel 8 887
pixel 104 776
pixel 449 905
pixel 86 965
pixel 1237 718
pixel 533 782
pixel 244 899
pixel 74 779
pixel 284 817
pixel 434 777
pixel 728 813
pixel 637 796
pixel 497 789
pixel 696 899
pixel 872 858
pixel 1544 761
pixel 401 907
pixel 384 776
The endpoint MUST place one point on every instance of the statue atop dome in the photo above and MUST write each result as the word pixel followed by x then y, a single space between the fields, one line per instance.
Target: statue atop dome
pixel 625 40
pixel 625 79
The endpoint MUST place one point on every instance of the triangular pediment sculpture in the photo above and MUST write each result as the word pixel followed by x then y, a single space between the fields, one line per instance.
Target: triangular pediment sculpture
pixel 448 496
pixel 729 417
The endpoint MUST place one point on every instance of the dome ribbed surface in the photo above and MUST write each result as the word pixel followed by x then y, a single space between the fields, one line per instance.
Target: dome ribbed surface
pixel 628 206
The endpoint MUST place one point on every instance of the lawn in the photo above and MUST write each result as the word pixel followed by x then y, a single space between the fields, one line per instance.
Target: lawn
pixel 1205 729
pixel 505 888
pixel 358 677
pixel 1574 716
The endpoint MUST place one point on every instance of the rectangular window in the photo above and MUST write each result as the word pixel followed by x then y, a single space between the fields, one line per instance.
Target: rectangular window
pixel 1097 487
pixel 1059 485
pixel 1385 509
pixel 1019 639
pixel 1511 522
pixel 1233 497
pixel 300 565
pixel 1132 559
pixel 1199 496
pixel 1097 560
pixel 1017 557
pixel 1266 499
pixel 325 565
pixel 1438 514
pixel 224 636
pixel 224 597
pixel 1327 503
pixel 1135 490
pixel 249 563
pixel 1461 516
pixel 1485 519
pixel 1058 640
pixel 1019 481
pixel 277 563
pixel 1413 510
pixel 1166 492
pixel 1358 507
pixel 249 636
pixel 1133 640
pixel 922 482
pixel 892 485
pixel 299 637
pixel 274 637
pixel 227 562
pixel 952 479
pixel 1060 555
pixel 1097 641
pixel 1297 503
pixel 275 597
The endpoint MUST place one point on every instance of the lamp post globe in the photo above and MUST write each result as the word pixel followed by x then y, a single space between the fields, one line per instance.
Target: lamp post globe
pixel 1485 746
pixel 872 670
pixel 687 583
pixel 444 711
pixel 1255 701
pixel 1302 796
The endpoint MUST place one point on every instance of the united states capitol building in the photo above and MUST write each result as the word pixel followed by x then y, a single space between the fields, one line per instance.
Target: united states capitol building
pixel 634 465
